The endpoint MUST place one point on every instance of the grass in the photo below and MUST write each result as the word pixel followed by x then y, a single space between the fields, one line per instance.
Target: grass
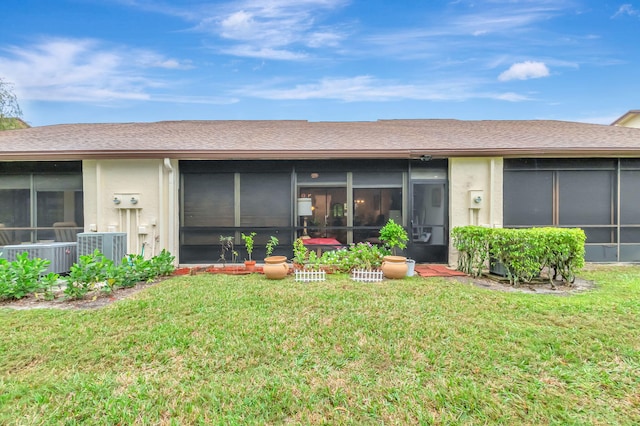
pixel 244 350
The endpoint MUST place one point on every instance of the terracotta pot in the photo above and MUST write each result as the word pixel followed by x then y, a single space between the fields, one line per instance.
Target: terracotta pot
pixel 394 267
pixel 276 267
pixel 250 265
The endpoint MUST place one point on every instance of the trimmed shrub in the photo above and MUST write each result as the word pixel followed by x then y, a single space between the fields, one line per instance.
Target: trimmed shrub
pixel 472 243
pixel 522 252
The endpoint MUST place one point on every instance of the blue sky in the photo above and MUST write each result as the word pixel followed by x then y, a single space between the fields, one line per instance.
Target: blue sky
pixel 74 61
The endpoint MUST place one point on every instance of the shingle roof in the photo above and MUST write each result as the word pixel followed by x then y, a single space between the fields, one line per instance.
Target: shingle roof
pixel 303 140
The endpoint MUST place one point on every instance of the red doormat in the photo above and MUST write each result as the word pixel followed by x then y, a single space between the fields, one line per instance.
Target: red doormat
pixel 433 270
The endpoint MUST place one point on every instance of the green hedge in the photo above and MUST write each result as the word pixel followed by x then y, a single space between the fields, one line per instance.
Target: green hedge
pixel 522 252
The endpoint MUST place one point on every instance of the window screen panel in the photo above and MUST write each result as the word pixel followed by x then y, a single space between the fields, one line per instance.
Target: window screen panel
pixel 630 197
pixel 208 199
pixel 630 253
pixel 377 180
pixel 15 207
pixel 60 182
pixel 265 199
pixel 585 197
pixel 606 235
pixel 320 177
pixel 630 235
pixel 15 182
pixel 528 198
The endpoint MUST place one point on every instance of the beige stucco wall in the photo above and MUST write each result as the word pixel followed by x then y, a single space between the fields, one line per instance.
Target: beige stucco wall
pixel 468 178
pixel 151 222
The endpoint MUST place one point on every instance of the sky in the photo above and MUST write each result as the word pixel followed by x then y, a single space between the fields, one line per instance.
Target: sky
pixel 93 61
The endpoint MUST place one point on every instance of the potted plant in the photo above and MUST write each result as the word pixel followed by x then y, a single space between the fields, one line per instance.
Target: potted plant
pixel 394 237
pixel 249 264
pixel 226 245
pixel 275 267
pixel 300 254
pixel 273 242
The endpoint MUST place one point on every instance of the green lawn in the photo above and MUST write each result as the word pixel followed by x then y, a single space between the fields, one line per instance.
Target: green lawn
pixel 237 350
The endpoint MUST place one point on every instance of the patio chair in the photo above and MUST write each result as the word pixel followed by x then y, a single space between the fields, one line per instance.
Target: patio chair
pixel 65 231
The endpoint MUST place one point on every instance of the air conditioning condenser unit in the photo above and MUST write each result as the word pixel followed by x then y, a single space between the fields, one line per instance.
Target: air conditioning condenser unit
pixel 62 255
pixel 113 245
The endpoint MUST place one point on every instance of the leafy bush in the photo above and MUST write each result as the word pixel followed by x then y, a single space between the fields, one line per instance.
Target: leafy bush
pixel 96 271
pixel 163 263
pixel 522 252
pixel 22 276
pixel 472 243
pixel 25 276
pixel 91 269
pixel 356 256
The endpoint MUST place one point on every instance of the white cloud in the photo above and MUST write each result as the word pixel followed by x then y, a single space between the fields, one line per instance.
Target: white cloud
pixel 264 53
pixel 525 71
pixel 275 24
pixel 366 88
pixel 84 70
pixel 267 29
pixel 323 38
pixel 461 30
pixel 626 9
pixel 512 97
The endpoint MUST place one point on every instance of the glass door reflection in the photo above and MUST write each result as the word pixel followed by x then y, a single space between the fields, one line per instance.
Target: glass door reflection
pixel 328 212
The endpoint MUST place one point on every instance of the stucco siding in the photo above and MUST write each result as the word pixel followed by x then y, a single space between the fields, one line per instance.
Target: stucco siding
pixel 152 221
pixel 470 178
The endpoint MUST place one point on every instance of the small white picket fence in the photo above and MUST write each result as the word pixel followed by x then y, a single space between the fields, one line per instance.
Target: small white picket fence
pixel 310 276
pixel 367 275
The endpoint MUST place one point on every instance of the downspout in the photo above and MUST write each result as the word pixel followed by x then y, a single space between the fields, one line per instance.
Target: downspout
pixel 157 229
pixel 99 195
pixel 171 227
pixel 490 203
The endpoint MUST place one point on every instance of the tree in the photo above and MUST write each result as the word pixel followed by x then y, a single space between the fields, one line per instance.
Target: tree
pixel 10 112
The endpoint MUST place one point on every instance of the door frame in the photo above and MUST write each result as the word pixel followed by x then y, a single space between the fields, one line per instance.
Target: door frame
pixel 426 252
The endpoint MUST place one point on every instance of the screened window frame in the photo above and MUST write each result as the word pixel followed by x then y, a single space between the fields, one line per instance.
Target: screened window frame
pixel 626 249
pixel 44 177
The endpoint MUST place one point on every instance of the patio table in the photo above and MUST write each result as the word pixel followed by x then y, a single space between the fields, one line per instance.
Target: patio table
pixel 322 243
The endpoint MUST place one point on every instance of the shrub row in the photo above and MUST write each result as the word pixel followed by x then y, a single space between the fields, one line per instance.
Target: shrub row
pixel 522 252
pixel 25 276
pixel 355 256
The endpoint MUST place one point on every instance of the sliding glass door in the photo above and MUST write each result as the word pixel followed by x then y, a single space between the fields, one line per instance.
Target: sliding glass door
pixel 328 217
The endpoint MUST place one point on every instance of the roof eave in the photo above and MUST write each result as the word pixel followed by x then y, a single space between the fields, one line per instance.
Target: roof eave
pixel 315 154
